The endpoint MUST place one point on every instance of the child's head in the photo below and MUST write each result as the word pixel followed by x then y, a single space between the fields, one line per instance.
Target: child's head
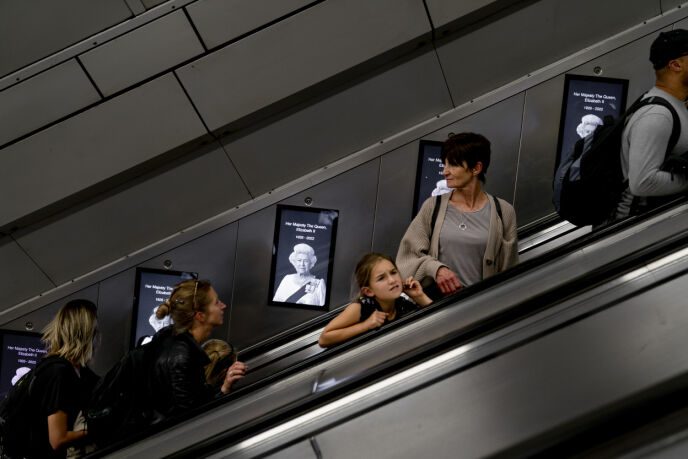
pixel 377 276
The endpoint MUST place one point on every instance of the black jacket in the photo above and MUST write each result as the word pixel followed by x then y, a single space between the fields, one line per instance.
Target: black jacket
pixel 178 374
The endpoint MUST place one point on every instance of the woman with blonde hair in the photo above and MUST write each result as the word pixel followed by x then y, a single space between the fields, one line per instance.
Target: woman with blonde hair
pixel 61 380
pixel 179 370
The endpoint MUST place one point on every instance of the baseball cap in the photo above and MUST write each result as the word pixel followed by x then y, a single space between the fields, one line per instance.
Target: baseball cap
pixel 667 46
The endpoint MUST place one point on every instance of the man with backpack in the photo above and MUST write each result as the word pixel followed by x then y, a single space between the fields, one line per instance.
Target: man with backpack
pixel 647 138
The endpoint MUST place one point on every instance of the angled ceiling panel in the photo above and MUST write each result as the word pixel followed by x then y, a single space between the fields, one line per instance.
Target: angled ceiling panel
pixel 45 98
pixel 30 31
pixel 193 188
pixel 443 12
pixel 669 4
pixel 142 53
pixel 219 21
pixel 530 38
pixel 104 141
pixel 296 53
pixel 341 124
pixel 20 278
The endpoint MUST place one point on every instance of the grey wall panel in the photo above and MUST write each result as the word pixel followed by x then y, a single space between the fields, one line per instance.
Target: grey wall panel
pixel 538 150
pixel 115 306
pixel 142 53
pixel 192 189
pixel 314 45
pixel 219 21
pixel 151 3
pixel 353 194
pixel 531 38
pixel 20 278
pixel 212 257
pixel 33 30
pixel 395 197
pixel 669 4
pixel 104 141
pixel 341 124
pixel 43 99
pixel 501 124
pixel 443 12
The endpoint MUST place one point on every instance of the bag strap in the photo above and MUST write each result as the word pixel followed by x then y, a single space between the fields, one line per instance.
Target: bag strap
pixel 435 212
pixel 656 100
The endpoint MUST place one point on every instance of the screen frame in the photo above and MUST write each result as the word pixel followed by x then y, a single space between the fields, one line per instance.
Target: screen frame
pixel 568 79
pixel 23 333
pixel 275 252
pixel 137 287
pixel 419 173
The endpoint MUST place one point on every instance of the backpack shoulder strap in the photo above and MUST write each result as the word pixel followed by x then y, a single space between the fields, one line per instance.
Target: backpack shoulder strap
pixel 435 212
pixel 656 100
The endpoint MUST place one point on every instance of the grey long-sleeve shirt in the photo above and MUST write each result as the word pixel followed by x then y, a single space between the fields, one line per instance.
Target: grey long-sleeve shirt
pixel 643 150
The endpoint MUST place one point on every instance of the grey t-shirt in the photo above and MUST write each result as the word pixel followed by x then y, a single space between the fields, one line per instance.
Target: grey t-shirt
pixel 463 240
pixel 643 150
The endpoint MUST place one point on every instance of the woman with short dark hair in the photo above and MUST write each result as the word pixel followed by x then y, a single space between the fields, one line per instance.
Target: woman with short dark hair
pixel 474 233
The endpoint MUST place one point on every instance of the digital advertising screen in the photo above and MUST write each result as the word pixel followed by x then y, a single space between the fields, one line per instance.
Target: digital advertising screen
pixel 429 178
pixel 21 351
pixel 302 257
pixel 153 287
pixel 586 102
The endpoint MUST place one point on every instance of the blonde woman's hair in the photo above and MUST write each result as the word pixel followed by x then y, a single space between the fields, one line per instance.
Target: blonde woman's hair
pixel 220 354
pixel 72 332
pixel 187 298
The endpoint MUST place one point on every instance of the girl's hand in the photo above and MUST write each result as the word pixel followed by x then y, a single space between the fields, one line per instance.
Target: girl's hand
pixel 375 320
pixel 412 288
pixel 235 372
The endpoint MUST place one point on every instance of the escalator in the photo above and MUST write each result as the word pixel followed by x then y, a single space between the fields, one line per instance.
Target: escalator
pixel 506 301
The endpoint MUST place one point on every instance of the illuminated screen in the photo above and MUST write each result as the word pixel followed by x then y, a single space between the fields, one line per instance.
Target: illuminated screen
pixel 153 287
pixel 587 100
pixel 21 351
pixel 302 257
pixel 429 178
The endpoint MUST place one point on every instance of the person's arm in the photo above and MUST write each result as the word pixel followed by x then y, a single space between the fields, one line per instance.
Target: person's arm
pixel 234 373
pixel 648 140
pixel 447 280
pixel 58 433
pixel 346 325
pixel 509 250
pixel 187 391
pixel 413 257
pixel 414 290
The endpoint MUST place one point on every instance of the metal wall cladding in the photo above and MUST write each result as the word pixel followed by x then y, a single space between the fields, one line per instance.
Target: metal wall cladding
pixel 142 53
pixel 43 99
pixel 302 450
pixel 96 145
pixel 351 119
pixel 353 195
pixel 152 3
pixel 530 38
pixel 220 21
pixel 20 278
pixel 394 209
pixel 39 28
pixel 314 45
pixel 191 189
pixel 443 12
pixel 669 4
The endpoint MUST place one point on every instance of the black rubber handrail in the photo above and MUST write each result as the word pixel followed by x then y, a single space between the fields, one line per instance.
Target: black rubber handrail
pixel 445 302
pixel 531 306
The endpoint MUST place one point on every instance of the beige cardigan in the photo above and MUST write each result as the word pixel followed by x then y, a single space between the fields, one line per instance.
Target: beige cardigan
pixel 417 255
